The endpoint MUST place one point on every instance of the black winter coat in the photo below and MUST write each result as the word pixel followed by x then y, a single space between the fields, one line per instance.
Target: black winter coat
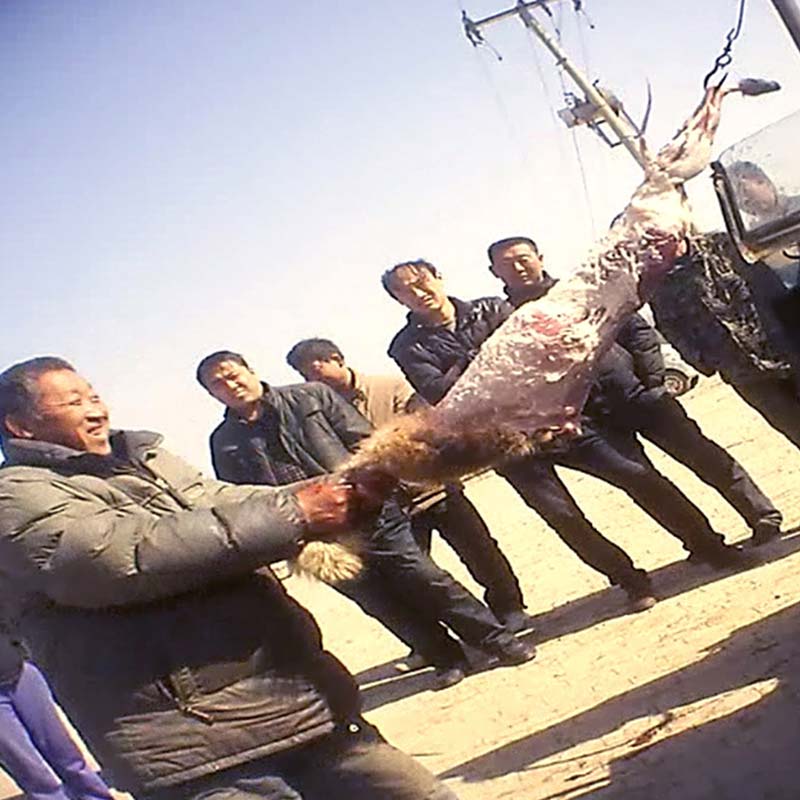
pixel 433 358
pixel 317 428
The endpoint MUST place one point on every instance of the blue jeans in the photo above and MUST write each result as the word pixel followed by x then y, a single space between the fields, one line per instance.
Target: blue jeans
pixel 36 748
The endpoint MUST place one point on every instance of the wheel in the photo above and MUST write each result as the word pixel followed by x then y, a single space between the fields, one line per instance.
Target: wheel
pixel 676 382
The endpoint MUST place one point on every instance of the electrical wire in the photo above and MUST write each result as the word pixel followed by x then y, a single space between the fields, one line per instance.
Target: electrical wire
pixel 502 107
pixel 575 141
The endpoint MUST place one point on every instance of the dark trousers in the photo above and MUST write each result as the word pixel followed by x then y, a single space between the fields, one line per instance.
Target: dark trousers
pixel 537 483
pixel 666 424
pixel 464 529
pixel 618 459
pixel 776 399
pixel 355 763
pixel 422 634
pixel 35 747
pixel 395 562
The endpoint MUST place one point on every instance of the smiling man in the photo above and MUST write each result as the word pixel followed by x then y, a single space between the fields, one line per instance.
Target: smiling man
pixel 69 413
pixel 181 659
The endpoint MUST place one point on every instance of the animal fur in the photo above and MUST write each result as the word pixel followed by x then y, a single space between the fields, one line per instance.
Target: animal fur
pixel 331 562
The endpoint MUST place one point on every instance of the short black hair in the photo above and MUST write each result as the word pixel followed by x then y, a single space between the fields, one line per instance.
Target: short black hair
pixel 510 242
pixel 308 350
pixel 19 386
pixel 213 359
pixel 741 170
pixel 420 263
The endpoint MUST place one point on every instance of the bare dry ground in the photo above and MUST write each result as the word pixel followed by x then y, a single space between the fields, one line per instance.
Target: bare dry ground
pixel 696 698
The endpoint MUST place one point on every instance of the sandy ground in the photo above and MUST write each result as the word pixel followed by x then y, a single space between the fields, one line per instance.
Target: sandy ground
pixel 696 698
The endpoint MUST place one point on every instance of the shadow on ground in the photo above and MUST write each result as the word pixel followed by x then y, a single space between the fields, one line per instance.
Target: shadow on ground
pixel 669 581
pixel 749 754
pixel 382 684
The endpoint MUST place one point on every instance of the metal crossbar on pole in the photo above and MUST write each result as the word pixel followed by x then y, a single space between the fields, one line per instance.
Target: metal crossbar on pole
pixel 628 136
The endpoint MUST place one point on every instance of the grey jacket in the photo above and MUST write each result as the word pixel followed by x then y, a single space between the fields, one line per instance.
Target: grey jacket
pixel 171 653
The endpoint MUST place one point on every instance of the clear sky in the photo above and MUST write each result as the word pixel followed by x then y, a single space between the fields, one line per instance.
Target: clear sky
pixel 188 175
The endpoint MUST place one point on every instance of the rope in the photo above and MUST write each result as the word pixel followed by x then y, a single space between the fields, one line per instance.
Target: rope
pixel 725 57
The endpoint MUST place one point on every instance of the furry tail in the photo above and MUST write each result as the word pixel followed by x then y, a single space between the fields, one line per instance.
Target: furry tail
pixel 331 562
pixel 423 447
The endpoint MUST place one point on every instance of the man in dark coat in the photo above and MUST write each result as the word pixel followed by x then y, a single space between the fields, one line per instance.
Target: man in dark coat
pixel 381 399
pixel 443 335
pixel 724 315
pixel 629 395
pixel 147 601
pixel 274 435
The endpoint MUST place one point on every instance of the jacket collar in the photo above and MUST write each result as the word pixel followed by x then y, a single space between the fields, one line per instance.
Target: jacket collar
pixel 267 400
pixel 526 293
pixel 125 445
pixel 462 310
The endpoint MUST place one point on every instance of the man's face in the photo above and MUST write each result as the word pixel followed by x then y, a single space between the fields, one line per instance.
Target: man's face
pixel 419 290
pixel 517 265
pixel 757 194
pixel 68 412
pixel 233 384
pixel 331 371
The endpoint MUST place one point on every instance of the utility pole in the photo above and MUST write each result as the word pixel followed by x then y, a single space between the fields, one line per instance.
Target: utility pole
pixel 627 134
pixel 790 14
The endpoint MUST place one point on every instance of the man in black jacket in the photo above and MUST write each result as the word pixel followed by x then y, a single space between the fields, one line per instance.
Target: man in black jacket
pixel 275 435
pixel 381 398
pixel 442 336
pixel 629 395
pixel 147 601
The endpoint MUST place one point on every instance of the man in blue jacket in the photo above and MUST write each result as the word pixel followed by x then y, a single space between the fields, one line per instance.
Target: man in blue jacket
pixel 35 747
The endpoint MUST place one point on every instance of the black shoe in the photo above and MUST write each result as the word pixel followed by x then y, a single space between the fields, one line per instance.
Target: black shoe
pixel 640 599
pixel 413 662
pixel 765 530
pixel 640 591
pixel 514 653
pixel 726 556
pixel 517 621
pixel 445 677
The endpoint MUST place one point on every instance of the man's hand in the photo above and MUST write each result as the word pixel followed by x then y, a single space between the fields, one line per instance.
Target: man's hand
pixel 327 505
pixel 335 505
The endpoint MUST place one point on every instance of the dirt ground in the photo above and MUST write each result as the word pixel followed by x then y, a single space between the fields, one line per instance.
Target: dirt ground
pixel 696 698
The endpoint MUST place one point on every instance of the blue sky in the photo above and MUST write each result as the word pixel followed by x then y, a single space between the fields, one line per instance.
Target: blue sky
pixel 187 176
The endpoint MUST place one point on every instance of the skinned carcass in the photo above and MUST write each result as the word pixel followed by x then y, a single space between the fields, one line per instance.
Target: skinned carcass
pixel 532 376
